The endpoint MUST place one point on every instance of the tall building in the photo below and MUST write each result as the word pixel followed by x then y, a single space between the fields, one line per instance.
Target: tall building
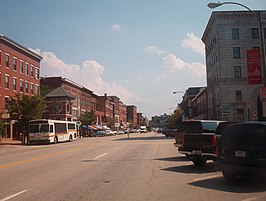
pixel 19 74
pixel 234 74
pixel 132 115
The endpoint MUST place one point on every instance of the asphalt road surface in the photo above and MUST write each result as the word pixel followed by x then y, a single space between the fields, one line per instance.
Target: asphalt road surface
pixel 144 167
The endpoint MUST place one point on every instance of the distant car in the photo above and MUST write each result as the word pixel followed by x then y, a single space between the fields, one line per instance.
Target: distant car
pixel 109 132
pixel 170 132
pixel 241 150
pixel 100 133
pixel 143 129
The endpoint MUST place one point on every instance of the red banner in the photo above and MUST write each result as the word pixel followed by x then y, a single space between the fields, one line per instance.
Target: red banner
pixel 254 69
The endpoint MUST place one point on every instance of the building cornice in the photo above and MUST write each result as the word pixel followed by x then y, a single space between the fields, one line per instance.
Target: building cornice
pixel 22 48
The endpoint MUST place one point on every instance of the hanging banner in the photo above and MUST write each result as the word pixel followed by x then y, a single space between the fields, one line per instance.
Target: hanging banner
pixel 254 69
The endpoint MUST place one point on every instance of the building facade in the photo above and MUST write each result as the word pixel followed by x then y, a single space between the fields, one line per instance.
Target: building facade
pixel 19 74
pixel 234 74
pixel 132 115
pixel 84 100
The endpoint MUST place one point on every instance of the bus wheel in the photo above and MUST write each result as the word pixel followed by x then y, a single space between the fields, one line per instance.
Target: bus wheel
pixel 70 138
pixel 55 140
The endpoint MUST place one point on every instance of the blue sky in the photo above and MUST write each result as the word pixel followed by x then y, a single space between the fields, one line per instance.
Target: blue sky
pixel 140 51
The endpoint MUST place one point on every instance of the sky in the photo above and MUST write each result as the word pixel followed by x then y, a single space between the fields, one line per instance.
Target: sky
pixel 138 50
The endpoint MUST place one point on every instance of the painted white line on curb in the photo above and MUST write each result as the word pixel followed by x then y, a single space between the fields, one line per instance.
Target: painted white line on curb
pixel 250 199
pixel 207 177
pixel 14 195
pixel 97 157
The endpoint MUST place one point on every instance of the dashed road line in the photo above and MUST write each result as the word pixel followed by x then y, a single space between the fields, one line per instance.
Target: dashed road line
pixel 12 196
pixel 100 156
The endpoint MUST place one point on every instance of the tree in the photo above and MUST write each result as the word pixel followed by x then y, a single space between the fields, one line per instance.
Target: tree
pixel 45 89
pixel 87 118
pixel 24 108
pixel 176 118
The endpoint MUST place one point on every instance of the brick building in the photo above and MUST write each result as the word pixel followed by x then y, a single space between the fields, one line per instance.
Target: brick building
pixel 19 74
pixel 84 99
pixel 132 114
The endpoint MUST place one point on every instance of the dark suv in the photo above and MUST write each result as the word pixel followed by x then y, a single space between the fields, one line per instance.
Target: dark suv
pixel 241 150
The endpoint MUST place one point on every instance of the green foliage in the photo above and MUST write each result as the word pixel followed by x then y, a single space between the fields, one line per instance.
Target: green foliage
pixel 87 118
pixel 45 90
pixel 175 119
pixel 2 127
pixel 24 108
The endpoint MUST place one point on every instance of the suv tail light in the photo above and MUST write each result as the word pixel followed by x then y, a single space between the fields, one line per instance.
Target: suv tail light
pixel 214 140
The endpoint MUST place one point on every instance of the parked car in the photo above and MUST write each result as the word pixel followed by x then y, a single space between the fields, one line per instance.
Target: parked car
pixel 170 132
pixel 143 129
pixel 241 150
pixel 100 133
pixel 199 140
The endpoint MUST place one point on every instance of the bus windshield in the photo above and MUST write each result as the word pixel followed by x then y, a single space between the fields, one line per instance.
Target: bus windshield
pixel 34 128
pixel 44 128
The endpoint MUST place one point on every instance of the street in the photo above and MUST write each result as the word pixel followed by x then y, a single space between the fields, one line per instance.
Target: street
pixel 144 167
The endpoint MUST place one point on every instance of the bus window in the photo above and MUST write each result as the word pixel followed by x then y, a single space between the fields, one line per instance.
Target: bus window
pixel 51 128
pixel 71 126
pixel 44 128
pixel 60 128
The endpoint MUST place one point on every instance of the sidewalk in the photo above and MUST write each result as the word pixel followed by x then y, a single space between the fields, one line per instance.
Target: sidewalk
pixel 8 141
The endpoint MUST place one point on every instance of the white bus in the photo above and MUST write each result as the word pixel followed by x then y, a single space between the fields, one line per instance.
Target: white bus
pixel 47 131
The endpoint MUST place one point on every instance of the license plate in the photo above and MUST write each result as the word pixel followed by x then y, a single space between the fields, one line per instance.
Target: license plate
pixel 241 154
pixel 196 152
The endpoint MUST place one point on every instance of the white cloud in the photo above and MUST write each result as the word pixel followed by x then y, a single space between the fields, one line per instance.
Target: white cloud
pixel 173 64
pixel 194 43
pixel 156 50
pixel 88 75
pixel 116 27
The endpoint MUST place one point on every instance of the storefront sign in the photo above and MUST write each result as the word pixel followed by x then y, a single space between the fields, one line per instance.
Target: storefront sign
pixel 254 69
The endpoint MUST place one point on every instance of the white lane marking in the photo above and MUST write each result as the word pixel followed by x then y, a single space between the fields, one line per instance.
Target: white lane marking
pixel 97 157
pixel 208 177
pixel 14 195
pixel 250 199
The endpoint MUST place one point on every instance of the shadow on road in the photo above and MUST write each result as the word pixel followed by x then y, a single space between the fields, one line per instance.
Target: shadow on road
pixel 142 138
pixel 175 158
pixel 192 169
pixel 242 185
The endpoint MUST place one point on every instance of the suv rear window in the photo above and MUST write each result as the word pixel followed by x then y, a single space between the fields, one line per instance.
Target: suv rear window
pixel 245 133
pixel 196 127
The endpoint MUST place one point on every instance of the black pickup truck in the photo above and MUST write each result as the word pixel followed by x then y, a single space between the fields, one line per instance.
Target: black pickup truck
pixel 200 138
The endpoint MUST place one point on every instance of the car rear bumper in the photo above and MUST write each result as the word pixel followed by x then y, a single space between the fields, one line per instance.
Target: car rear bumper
pixel 240 169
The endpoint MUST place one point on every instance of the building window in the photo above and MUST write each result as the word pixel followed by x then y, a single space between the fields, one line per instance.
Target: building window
pixel 27 69
pixel 26 87
pixel 36 89
pixel 0 58
pixel 7 82
pixel 7 61
pixel 36 73
pixel 31 71
pixel 235 33
pixel 255 33
pixel 31 88
pixel 238 95
pixel 15 64
pixel 21 67
pixel 6 103
pixel 14 84
pixel 237 71
pixel 236 52
pixel 21 86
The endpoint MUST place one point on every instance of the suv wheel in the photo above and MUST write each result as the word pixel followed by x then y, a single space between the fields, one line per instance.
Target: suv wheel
pixel 199 162
pixel 229 176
